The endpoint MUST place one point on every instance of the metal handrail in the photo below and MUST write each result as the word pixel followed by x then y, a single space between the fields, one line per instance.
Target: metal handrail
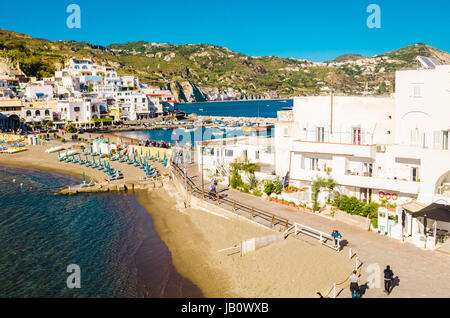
pixel 255 212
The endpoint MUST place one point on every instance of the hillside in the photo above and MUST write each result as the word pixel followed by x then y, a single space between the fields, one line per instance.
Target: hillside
pixel 196 72
pixel 348 57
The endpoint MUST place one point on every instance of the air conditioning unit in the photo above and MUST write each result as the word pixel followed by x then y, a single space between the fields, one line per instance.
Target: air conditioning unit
pixel 381 148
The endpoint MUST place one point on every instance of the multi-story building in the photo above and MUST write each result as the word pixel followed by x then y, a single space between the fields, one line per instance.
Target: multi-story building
pixel 218 154
pixel 376 148
pixel 80 111
pixel 40 92
pixel 10 113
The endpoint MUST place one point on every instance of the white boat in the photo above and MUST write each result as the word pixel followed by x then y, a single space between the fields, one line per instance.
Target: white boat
pixel 218 133
pixel 69 153
pixel 54 149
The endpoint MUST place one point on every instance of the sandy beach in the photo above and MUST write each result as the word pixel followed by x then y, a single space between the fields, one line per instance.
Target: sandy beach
pixel 290 268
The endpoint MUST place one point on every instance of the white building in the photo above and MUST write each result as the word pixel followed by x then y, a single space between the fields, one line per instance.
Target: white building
pixel 80 111
pixel 136 105
pixel 33 115
pixel 41 92
pixel 219 153
pixel 377 147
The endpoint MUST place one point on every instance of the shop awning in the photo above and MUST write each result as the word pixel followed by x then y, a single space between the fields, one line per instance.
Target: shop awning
pixel 435 211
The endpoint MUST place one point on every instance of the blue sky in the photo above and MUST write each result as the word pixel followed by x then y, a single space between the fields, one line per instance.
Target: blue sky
pixel 316 30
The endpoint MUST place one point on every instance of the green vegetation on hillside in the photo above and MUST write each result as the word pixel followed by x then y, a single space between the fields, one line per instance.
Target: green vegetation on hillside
pixel 209 66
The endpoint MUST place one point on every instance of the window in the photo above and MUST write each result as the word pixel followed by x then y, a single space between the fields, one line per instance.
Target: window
pixel 314 163
pixel 286 132
pixel 414 173
pixel 47 113
pixel 208 151
pixel 228 152
pixel 320 134
pixel 245 153
pixel 445 140
pixel 28 112
pixel 365 195
pixel 416 91
pixel 257 155
pixel 367 169
pixel 76 109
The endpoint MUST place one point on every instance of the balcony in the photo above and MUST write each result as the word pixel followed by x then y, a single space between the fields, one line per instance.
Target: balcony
pixel 365 151
pixel 361 181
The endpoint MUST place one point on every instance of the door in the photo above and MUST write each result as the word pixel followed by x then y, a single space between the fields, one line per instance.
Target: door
pixel 356 136
pixel 320 134
pixel 445 140
pixel 414 173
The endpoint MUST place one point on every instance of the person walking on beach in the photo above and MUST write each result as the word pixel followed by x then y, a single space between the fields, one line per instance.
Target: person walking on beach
pixel 354 287
pixel 388 276
pixel 336 235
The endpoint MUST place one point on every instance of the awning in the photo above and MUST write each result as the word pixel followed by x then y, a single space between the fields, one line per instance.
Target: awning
pixel 435 211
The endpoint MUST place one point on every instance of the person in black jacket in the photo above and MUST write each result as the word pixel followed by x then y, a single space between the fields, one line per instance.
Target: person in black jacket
pixel 388 276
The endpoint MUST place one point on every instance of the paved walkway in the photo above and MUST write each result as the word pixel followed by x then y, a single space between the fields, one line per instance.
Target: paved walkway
pixel 420 273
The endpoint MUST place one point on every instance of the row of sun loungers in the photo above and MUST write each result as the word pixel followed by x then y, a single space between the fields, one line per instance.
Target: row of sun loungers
pixel 112 173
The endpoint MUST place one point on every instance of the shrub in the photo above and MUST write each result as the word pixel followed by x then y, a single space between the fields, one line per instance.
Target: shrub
pixel 257 192
pixel 374 222
pixel 236 180
pixel 245 188
pixel 269 188
pixel 70 128
pixel 351 205
pixel 278 187
pixel 252 181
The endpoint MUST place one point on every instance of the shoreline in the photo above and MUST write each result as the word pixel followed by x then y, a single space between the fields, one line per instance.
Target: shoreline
pixel 194 237
pixel 235 100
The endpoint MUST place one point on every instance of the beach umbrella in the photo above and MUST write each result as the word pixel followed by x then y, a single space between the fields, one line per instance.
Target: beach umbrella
pixel 141 151
pixel 164 155
pixel 84 177
pixel 59 154
pixel 158 154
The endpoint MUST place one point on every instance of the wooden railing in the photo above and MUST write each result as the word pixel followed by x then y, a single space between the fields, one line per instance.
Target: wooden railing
pixel 234 205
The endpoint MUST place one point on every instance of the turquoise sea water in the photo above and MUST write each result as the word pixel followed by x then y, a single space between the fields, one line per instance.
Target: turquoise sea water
pixel 262 108
pixel 183 137
pixel 110 236
pixel 257 108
